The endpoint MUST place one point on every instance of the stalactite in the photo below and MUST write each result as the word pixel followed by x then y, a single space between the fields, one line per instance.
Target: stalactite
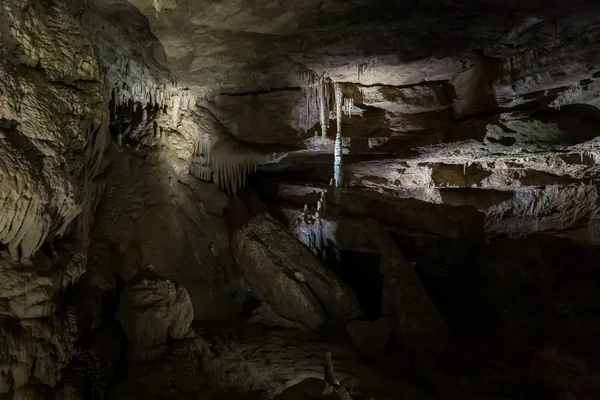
pixel 176 103
pixel 337 167
pixel 339 101
pixel 311 87
pixel 306 93
pixel 365 66
pixel 312 104
pixel 338 172
pixel 323 108
pixel 348 106
pixel 226 161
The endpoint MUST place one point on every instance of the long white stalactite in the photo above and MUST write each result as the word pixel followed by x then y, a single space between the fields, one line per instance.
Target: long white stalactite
pixel 324 106
pixel 337 156
pixel 338 172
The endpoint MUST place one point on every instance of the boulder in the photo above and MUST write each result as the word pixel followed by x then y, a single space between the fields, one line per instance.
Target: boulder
pixel 153 310
pixel 295 290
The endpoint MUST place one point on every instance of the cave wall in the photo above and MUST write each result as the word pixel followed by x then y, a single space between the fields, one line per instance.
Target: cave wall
pixel 53 108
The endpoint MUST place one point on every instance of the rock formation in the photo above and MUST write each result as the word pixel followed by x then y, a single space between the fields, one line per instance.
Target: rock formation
pixel 53 119
pixel 411 183
pixel 153 311
pixel 294 289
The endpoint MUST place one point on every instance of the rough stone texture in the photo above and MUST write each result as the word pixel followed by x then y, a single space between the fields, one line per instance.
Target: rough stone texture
pixel 153 310
pixel 295 290
pixel 148 201
pixel 517 193
pixel 38 349
pixel 246 363
pixel 53 131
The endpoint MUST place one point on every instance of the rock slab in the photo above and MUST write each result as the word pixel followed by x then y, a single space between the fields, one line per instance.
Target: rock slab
pixel 294 289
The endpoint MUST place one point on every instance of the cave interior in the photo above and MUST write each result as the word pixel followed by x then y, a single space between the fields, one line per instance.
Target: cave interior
pixel 322 199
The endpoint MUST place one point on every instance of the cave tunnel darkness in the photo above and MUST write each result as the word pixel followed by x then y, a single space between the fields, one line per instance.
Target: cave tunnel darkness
pixel 299 200
pixel 360 271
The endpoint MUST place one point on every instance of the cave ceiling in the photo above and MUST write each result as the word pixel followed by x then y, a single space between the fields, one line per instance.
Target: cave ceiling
pixel 236 46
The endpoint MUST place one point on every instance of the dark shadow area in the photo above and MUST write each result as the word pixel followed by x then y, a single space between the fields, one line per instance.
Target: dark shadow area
pixel 479 198
pixel 578 121
pixel 360 271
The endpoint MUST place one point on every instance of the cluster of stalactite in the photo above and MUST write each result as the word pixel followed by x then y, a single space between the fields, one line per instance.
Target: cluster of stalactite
pixel 220 157
pixel 328 98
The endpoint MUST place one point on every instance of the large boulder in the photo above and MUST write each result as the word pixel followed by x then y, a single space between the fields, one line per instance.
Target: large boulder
pixel 294 289
pixel 153 310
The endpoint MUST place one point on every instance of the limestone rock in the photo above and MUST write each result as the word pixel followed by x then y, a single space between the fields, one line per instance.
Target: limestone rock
pixel 287 279
pixel 181 207
pixel 244 362
pixel 32 289
pixel 458 123
pixel 53 131
pixel 38 348
pixel 153 310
